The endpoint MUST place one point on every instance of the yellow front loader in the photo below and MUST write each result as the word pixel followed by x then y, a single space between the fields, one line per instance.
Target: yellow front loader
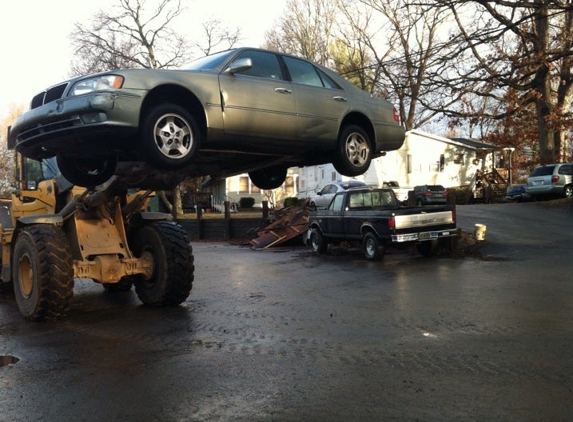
pixel 52 233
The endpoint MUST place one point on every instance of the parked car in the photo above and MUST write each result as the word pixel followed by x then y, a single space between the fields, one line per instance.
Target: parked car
pixel 236 111
pixel 324 196
pixel 400 191
pixel 430 195
pixel 551 179
pixel 517 193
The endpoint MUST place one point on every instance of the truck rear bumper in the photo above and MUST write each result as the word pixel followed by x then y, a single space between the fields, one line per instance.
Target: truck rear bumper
pixel 423 236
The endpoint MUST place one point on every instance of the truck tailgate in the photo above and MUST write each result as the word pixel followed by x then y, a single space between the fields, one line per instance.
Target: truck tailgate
pixel 423 219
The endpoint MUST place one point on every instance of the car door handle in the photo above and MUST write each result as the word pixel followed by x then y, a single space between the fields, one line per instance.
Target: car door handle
pixel 339 98
pixel 283 90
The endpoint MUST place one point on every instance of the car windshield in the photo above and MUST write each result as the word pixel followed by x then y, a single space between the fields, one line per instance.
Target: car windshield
pixel 543 171
pixel 211 62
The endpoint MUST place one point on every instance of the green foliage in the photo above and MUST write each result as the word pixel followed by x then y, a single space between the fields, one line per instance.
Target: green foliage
pixel 246 202
pixel 290 202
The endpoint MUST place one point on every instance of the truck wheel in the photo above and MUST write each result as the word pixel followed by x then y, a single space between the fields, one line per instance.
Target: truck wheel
pixel 428 248
pixel 317 241
pixel 354 152
pixel 269 178
pixel 86 172
pixel 170 136
pixel 373 251
pixel 172 278
pixel 42 272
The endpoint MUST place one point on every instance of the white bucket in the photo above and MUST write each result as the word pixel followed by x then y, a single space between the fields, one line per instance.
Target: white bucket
pixel 479 231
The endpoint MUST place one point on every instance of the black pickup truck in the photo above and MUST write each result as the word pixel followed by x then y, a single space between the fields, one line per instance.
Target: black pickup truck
pixel 375 218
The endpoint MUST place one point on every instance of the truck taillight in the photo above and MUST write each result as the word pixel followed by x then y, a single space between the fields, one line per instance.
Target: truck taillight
pixel 454 215
pixel 396 115
pixel 392 222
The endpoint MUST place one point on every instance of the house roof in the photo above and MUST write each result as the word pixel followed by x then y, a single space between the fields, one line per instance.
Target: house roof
pixel 462 142
pixel 472 143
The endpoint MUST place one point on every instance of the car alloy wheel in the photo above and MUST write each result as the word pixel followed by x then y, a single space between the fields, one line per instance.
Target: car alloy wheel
pixel 170 136
pixel 354 152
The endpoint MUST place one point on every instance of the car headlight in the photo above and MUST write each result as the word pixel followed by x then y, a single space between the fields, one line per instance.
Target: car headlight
pixel 97 83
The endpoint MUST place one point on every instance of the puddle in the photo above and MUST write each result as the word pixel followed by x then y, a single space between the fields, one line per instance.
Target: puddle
pixel 8 360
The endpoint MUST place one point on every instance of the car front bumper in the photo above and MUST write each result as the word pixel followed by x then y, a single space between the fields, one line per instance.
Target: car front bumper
pixel 71 122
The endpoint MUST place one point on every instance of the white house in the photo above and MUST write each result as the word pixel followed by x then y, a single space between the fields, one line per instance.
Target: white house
pixel 423 159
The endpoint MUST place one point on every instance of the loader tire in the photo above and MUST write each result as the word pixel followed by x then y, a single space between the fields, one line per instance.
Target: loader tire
pixel 42 272
pixel 173 265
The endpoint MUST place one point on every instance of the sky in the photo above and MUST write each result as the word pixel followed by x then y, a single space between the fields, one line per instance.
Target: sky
pixel 35 47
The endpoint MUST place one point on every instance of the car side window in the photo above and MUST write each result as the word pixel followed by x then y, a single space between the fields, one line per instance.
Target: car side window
pixel 302 72
pixel 265 65
pixel 566 169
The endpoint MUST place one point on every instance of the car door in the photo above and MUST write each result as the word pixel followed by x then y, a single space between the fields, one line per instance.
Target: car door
pixel 258 103
pixel 332 221
pixel 320 102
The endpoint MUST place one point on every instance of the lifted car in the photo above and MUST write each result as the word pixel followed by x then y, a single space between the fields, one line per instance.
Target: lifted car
pixel 236 111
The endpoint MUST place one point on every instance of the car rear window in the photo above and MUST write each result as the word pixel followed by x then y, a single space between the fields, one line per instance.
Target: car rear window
pixel 542 171
pixel 436 188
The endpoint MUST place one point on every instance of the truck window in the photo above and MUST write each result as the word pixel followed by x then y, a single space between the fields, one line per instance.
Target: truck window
pixel 336 204
pixel 371 199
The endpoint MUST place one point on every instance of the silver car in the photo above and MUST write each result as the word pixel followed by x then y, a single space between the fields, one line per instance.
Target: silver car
pixel 324 196
pixel 551 179
pixel 240 110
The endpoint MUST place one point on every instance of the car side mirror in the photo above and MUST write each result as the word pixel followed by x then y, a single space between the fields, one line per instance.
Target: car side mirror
pixel 239 66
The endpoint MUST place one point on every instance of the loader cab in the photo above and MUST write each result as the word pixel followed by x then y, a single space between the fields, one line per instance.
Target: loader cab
pixel 30 173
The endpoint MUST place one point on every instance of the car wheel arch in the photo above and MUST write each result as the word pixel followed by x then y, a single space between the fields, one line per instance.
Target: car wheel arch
pixel 175 95
pixel 359 119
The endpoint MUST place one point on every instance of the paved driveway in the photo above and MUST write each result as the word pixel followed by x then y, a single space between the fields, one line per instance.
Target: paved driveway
pixel 283 335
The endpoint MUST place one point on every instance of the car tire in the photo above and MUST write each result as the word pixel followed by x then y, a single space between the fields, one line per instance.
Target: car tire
pixel 170 136
pixel 568 191
pixel 318 243
pixel 269 178
pixel 354 152
pixel 373 250
pixel 86 172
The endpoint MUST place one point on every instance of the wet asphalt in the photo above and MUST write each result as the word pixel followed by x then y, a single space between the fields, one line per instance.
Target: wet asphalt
pixel 285 335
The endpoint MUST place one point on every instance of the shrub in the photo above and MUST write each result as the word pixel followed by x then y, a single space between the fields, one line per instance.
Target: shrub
pixel 246 202
pixel 290 202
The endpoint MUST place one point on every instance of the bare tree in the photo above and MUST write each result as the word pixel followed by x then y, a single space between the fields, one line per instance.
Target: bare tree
pixel 217 37
pixel 410 48
pixel 525 46
pixel 131 36
pixel 306 29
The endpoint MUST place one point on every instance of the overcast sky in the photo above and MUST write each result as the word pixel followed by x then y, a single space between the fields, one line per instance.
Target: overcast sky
pixel 34 36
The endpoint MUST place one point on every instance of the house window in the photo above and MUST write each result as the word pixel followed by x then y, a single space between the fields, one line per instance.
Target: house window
pixel 289 186
pixel 442 163
pixel 333 176
pixel 409 162
pixel 244 184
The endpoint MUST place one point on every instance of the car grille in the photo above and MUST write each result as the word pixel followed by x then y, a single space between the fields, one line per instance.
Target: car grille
pixel 52 94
